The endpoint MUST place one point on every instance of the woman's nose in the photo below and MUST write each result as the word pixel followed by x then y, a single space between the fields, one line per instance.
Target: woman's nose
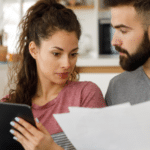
pixel 65 63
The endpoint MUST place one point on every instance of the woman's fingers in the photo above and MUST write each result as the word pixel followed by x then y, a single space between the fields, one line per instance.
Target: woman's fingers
pixel 31 137
pixel 30 128
pixel 26 135
pixel 21 139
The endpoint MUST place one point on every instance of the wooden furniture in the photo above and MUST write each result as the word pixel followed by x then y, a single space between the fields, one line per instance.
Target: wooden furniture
pixel 74 7
pixel 81 7
pixel 13 57
pixel 3 53
pixel 100 69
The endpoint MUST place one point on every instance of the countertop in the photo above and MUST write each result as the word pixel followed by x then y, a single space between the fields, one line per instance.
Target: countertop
pixel 103 60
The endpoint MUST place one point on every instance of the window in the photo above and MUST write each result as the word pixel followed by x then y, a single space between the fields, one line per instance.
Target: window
pixel 13 11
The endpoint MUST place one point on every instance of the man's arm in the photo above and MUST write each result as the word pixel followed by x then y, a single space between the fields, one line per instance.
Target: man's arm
pixel 109 94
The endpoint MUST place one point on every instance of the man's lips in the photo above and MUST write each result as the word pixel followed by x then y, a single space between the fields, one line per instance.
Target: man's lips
pixel 121 53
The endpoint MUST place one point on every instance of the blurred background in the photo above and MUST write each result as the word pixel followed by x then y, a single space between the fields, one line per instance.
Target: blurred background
pixel 98 60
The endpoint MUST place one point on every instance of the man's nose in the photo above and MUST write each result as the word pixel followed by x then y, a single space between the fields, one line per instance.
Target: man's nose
pixel 116 41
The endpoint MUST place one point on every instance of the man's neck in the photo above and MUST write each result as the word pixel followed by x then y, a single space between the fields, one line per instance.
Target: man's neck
pixel 146 68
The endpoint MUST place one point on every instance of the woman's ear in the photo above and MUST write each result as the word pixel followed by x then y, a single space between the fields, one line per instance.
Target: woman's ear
pixel 33 49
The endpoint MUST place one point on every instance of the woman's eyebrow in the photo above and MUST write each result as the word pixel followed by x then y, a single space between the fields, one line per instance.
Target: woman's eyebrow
pixel 63 49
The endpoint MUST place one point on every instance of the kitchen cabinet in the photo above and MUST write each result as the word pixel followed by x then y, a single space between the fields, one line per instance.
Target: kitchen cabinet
pixel 81 7
pixel 78 4
pixel 3 53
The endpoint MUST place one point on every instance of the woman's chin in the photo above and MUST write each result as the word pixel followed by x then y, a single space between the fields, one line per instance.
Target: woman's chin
pixel 61 81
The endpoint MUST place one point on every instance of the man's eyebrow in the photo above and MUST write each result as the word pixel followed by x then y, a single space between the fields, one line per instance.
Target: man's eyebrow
pixel 63 50
pixel 121 26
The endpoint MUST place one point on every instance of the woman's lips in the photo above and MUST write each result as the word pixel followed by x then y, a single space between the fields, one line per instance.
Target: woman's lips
pixel 63 75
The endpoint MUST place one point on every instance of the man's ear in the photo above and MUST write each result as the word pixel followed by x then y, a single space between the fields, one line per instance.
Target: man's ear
pixel 33 50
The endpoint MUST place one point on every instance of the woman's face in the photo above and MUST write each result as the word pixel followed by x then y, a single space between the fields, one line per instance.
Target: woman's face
pixel 56 57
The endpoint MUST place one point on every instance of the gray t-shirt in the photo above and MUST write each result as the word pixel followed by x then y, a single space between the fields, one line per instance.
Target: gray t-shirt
pixel 133 87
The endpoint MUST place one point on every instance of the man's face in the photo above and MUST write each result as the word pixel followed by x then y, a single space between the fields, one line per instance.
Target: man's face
pixel 130 39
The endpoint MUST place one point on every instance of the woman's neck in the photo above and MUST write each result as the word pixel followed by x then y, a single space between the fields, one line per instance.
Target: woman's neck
pixel 46 92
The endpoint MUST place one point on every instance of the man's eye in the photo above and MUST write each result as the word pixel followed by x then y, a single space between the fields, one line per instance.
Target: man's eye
pixel 123 31
pixel 56 54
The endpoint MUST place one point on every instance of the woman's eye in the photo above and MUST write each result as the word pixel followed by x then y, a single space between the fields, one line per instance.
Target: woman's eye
pixel 56 54
pixel 74 54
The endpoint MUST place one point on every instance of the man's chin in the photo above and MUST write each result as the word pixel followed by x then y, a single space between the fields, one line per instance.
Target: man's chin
pixel 126 64
pixel 123 62
pixel 123 59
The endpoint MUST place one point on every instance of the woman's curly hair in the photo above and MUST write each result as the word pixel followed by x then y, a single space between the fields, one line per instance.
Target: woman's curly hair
pixel 41 21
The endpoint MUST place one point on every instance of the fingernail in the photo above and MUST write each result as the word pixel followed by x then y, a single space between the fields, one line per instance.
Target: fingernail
pixel 11 131
pixel 17 119
pixel 12 123
pixel 15 138
pixel 37 120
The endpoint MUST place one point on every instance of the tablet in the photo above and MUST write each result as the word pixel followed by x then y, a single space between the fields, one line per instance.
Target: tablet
pixel 8 111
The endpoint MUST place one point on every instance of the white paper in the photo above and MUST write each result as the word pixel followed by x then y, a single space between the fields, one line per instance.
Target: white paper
pixel 85 109
pixel 121 127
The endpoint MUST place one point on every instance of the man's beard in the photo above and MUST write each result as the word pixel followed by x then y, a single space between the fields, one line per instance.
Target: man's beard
pixel 132 62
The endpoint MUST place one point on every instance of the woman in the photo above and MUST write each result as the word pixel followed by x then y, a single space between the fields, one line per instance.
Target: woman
pixel 46 77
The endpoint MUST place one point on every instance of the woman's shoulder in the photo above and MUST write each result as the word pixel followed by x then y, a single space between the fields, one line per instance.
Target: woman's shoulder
pixel 82 84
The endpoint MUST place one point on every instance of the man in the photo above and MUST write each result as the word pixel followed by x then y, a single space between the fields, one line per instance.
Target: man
pixel 131 19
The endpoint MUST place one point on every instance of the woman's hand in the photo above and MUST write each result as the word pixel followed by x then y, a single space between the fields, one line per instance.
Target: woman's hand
pixel 32 138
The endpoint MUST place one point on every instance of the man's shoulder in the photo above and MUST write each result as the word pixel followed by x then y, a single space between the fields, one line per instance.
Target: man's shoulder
pixel 127 76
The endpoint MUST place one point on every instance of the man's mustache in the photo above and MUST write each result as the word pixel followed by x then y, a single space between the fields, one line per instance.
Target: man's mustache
pixel 121 50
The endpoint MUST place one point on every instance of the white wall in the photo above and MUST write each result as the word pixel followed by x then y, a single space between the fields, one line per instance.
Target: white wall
pixel 101 79
pixel 88 19
pixel 3 79
pixel 1 14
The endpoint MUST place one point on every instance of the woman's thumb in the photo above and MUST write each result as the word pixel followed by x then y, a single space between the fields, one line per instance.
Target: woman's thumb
pixel 40 126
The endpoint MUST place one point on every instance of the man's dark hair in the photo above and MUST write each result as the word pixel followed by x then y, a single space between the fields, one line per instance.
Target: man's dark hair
pixel 138 4
pixel 113 3
pixel 142 7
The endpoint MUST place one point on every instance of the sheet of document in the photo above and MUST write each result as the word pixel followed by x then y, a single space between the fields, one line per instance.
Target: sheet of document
pixel 84 109
pixel 120 127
